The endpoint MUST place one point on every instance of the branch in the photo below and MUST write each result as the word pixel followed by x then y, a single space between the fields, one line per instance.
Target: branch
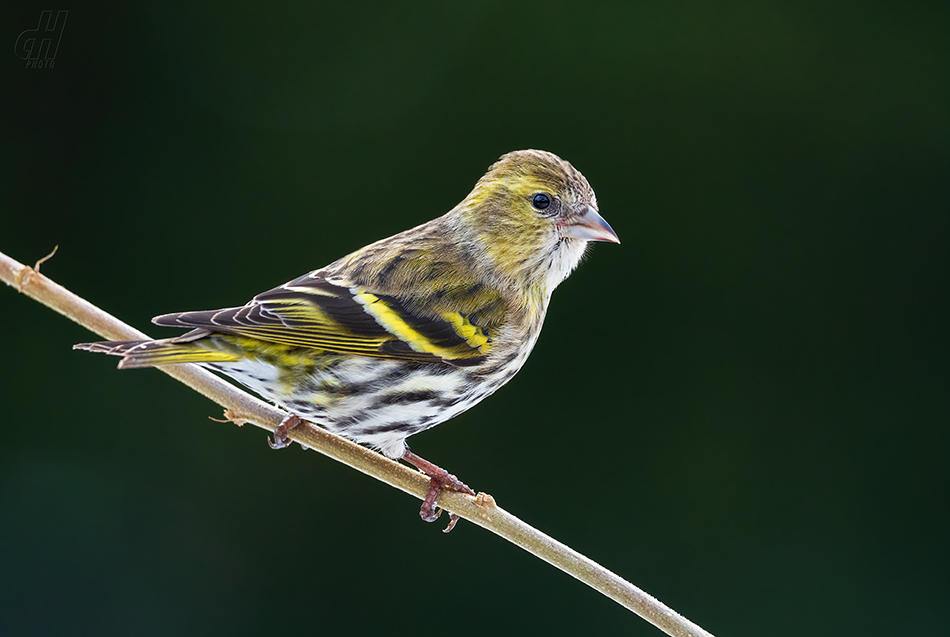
pixel 242 407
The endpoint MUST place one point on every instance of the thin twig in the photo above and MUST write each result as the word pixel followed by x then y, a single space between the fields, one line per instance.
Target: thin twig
pixel 241 407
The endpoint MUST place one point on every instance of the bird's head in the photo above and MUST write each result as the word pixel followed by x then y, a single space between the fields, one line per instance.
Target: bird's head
pixel 534 215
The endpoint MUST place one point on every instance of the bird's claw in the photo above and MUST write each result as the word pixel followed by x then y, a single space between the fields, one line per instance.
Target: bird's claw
pixel 438 480
pixel 280 434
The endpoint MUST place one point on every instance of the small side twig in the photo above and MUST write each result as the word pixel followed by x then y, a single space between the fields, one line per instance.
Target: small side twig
pixel 243 408
pixel 39 262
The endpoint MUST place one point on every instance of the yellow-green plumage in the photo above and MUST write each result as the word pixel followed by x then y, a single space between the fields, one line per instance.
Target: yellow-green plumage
pixel 411 330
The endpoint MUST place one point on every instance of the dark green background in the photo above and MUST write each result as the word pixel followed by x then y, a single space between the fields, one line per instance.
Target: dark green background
pixel 742 408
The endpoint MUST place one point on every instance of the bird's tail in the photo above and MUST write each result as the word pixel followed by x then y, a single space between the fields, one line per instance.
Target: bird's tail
pixel 161 352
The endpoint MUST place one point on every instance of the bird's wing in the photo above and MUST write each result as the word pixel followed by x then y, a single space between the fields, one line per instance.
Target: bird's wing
pixel 331 314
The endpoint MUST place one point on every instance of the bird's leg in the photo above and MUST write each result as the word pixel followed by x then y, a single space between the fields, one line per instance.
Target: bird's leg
pixel 439 479
pixel 280 434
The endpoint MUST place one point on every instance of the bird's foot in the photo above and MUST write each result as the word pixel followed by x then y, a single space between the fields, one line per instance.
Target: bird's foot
pixel 280 434
pixel 439 479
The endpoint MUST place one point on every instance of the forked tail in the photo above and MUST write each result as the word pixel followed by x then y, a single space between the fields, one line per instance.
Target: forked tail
pixel 161 352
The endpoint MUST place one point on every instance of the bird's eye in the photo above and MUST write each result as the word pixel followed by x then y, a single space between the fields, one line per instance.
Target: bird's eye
pixel 541 201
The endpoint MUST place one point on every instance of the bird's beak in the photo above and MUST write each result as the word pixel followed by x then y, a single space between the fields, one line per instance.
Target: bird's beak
pixel 588 225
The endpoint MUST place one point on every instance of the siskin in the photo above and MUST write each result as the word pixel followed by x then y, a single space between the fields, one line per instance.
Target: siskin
pixel 409 331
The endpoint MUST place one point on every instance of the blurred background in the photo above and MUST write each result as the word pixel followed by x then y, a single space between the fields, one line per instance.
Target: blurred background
pixel 742 408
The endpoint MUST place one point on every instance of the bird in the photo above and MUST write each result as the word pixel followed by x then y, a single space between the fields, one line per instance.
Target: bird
pixel 407 332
